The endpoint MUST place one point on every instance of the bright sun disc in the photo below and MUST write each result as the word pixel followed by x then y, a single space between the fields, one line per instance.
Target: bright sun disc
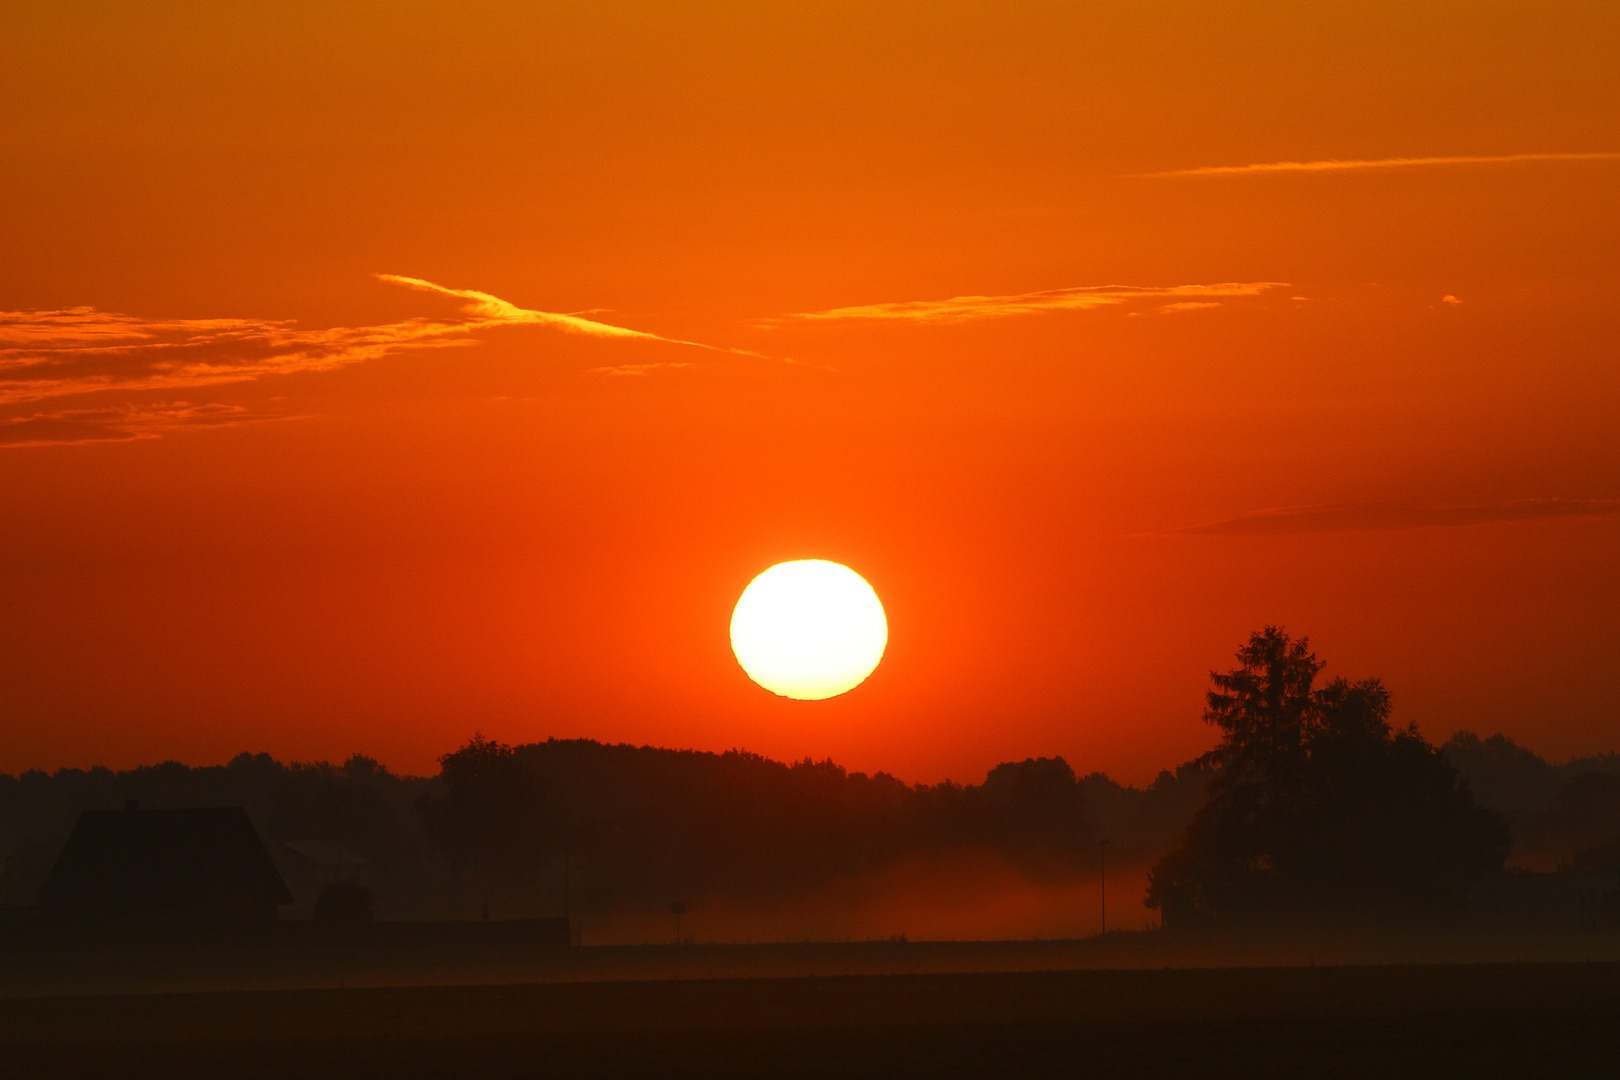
pixel 809 630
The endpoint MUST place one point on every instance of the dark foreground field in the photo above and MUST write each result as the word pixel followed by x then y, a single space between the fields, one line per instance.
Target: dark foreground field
pixel 1495 1020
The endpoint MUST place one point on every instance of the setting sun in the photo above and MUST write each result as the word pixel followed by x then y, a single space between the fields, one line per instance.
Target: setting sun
pixel 809 630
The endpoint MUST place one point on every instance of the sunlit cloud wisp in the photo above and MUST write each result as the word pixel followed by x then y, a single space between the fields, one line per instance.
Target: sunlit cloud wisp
pixel 1082 298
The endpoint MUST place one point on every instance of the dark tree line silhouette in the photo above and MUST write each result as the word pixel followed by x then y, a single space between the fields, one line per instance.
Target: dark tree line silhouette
pixel 1312 805
pixel 1563 816
pixel 642 824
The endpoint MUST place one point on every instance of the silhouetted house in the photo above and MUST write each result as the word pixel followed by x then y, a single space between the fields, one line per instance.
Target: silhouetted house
pixel 194 864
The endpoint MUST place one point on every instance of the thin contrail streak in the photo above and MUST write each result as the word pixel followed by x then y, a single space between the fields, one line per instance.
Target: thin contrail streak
pixel 1339 165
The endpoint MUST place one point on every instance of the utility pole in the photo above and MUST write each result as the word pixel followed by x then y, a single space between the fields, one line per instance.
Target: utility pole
pixel 1103 848
pixel 567 909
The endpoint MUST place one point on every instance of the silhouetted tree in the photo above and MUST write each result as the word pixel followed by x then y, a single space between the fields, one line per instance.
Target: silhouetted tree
pixel 1319 807
pixel 1036 811
pixel 491 821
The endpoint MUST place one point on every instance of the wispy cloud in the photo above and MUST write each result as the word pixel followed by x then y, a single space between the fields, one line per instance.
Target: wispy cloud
pixel 1342 165
pixel 73 427
pixel 484 310
pixel 637 369
pixel 1083 298
pixel 47 354
pixel 1362 517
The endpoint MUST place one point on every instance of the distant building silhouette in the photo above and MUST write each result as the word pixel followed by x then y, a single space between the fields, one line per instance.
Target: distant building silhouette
pixel 309 866
pixel 191 864
pixel 329 861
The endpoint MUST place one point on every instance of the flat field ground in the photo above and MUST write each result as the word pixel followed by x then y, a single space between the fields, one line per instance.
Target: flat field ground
pixel 1465 1020
pixel 291 956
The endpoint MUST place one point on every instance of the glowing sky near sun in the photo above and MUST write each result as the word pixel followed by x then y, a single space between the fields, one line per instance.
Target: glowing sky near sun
pixel 371 373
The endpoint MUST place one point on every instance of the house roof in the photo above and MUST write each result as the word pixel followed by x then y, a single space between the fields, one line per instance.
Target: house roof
pixel 139 861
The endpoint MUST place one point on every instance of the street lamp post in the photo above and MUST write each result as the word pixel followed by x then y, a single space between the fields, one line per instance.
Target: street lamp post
pixel 1103 863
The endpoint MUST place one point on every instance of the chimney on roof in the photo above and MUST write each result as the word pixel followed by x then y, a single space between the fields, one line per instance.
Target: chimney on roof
pixel 129 804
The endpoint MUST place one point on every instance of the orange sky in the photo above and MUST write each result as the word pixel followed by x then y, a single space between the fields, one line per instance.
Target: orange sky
pixel 255 497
